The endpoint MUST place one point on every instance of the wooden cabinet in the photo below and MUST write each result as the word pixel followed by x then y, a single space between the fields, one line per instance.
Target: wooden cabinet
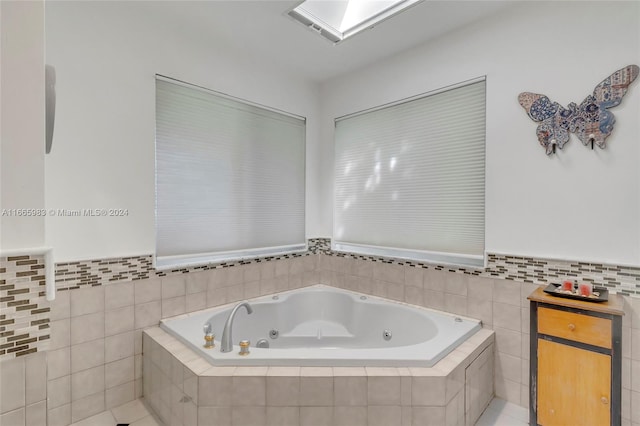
pixel 575 361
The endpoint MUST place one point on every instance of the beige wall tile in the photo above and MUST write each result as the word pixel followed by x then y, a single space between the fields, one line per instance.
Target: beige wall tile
pixel 59 416
pixel 414 277
pixel 635 407
pixel 214 415
pixel 87 406
pixel 196 282
pixel 148 290
pixel 395 291
pixel 480 309
pixel 248 391
pixel 507 316
pixel 119 372
pixel 235 293
pixel 635 344
pixel 479 288
pixel 195 301
pixel 118 295
pixel 434 299
pixel 173 286
pixel 119 320
pixel 173 306
pixel 87 300
pixel 36 414
pixel 12 384
pixel 61 306
pixel 525 290
pixel 87 355
pixel 85 328
pixel 35 377
pixel 509 367
pixel 119 395
pixel 387 272
pixel 428 391
pixel 508 341
pixel 283 391
pixel 13 418
pixel 59 391
pixel 428 415
pixel 315 391
pixel 148 314
pixel 58 363
pixel 316 416
pixel 283 416
pixel 60 334
pixel 251 289
pixel 119 346
pixel 350 416
pixel 507 389
pixel 350 391
pixel 87 382
pixel 455 304
pixel 254 416
pixel 383 390
pixel 214 391
pixel 216 297
pixel 384 415
pixel 455 283
pixel 414 295
pixel 507 291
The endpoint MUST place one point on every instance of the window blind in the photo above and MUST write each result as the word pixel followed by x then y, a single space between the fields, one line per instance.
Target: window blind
pixel 230 178
pixel 410 178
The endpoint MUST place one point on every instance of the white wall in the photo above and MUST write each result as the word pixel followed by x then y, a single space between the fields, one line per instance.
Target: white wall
pixel 579 204
pixel 106 55
pixel 22 123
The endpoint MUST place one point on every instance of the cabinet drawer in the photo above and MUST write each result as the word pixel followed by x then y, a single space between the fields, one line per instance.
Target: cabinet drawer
pixel 580 328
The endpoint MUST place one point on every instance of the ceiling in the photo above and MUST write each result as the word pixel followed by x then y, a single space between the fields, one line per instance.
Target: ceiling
pixel 263 31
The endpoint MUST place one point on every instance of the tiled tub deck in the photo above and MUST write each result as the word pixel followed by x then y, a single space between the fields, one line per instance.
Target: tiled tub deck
pixel 185 389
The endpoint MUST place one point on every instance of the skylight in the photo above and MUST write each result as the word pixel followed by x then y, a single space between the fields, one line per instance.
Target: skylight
pixel 337 20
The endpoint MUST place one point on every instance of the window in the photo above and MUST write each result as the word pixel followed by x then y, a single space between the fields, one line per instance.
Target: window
pixel 337 20
pixel 230 178
pixel 409 178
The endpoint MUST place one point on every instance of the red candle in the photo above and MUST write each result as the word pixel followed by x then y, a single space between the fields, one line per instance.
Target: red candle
pixel 585 289
pixel 567 285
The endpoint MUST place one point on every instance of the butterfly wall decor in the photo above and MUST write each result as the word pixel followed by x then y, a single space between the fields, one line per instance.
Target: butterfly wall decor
pixel 591 121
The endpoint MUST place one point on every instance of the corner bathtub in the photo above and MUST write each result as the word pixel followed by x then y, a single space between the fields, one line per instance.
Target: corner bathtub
pixel 326 326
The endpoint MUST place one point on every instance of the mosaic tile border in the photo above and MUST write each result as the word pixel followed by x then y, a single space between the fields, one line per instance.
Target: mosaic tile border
pixel 24 311
pixel 622 279
pixel 74 275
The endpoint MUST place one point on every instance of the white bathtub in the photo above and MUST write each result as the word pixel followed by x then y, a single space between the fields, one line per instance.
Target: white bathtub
pixel 326 326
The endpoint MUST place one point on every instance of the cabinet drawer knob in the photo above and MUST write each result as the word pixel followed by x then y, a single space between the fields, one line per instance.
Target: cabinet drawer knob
pixel 604 400
pixel 572 327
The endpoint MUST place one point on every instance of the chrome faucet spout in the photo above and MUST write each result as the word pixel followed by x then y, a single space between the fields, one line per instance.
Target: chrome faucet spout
pixel 227 339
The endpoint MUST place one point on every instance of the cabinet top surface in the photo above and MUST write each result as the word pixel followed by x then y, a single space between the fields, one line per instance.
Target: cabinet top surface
pixel 613 306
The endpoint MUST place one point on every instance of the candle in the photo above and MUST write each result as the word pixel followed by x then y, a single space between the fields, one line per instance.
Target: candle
pixel 585 289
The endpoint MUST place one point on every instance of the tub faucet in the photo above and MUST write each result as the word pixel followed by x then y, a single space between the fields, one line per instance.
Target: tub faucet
pixel 227 340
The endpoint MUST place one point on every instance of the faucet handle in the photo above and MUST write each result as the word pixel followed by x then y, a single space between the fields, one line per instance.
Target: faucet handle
pixel 206 328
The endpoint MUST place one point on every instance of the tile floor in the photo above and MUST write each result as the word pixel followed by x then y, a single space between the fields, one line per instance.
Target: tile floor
pixel 503 413
pixel 135 413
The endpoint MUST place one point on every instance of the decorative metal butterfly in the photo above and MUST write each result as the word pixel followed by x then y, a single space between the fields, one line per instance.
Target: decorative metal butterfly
pixel 591 121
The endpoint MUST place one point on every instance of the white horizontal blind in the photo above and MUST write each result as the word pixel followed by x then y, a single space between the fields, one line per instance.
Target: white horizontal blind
pixel 230 178
pixel 409 179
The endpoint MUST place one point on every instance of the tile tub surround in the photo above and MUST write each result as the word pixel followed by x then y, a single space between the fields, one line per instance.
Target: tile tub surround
pixel 24 310
pixel 95 358
pixel 183 388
